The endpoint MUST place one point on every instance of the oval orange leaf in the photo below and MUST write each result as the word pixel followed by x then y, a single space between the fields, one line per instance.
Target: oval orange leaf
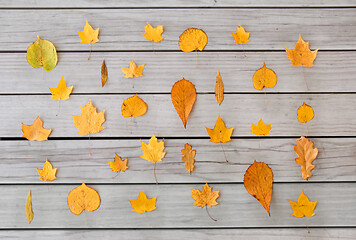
pixel 305 113
pixel 264 77
pixel 83 198
pixel 133 107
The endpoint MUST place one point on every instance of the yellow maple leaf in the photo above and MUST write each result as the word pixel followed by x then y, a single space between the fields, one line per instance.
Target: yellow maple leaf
pixel 89 121
pixel 83 198
pixel 303 208
pixel 153 34
pixel 241 36
pixel 89 35
pixel 61 92
pixel 205 198
pixel 264 77
pixel 29 211
pixel 305 113
pixel 47 173
pixel 35 132
pixel 306 155
pixel 118 164
pixel 143 204
pixel 188 157
pixel 261 128
pixel 133 71
pixel 219 89
pixel 220 134
pixel 133 107
pixel 192 39
pixel 301 55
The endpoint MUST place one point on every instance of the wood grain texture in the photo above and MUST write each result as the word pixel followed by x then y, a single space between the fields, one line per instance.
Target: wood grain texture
pixel 173 3
pixel 163 69
pixel 19 161
pixel 237 110
pixel 236 207
pixel 210 234
pixel 122 29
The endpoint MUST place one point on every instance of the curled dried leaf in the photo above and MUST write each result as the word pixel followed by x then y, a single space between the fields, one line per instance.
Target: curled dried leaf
pixel 104 73
pixel 192 39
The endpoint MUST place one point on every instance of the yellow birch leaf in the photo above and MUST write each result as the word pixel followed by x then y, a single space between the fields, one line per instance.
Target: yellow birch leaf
pixel 42 53
pixel 29 211
pixel 219 89
pixel 83 198
pixel 306 155
pixel 153 151
pixel 303 208
pixel 143 204
pixel 301 55
pixel 89 121
pixel 133 71
pixel 133 107
pixel 47 173
pixel 220 134
pixel 89 35
pixel 241 36
pixel 261 128
pixel 192 39
pixel 118 164
pixel 61 92
pixel 36 132
pixel 104 74
pixel 305 113
pixel 188 157
pixel 153 34
pixel 264 77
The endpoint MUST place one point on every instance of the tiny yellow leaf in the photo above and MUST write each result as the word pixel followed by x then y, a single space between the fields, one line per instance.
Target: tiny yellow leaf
pixel 29 211
pixel 118 164
pixel 133 71
pixel 264 77
pixel 89 35
pixel 36 132
pixel 219 134
pixel 47 173
pixel 143 204
pixel 61 92
pixel 261 128
pixel 303 208
pixel 153 34
pixel 192 39
pixel 241 36
pixel 219 89
pixel 133 107
pixel 305 113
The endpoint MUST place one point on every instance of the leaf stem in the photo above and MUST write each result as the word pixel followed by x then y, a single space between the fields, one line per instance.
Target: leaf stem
pixel 305 80
pixel 243 49
pixel 306 124
pixel 196 58
pixel 90 52
pixel 206 207
pixel 59 108
pixel 224 152
pixel 154 173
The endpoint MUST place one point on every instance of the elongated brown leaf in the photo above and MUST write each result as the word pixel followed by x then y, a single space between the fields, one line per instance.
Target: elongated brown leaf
pixel 104 74
pixel 219 89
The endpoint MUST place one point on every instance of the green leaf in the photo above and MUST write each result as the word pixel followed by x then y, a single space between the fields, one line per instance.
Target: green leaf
pixel 42 53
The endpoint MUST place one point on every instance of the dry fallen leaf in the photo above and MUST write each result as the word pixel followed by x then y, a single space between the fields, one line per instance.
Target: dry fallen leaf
pixel 118 164
pixel 192 39
pixel 188 157
pixel 219 89
pixel 89 121
pixel 133 71
pixel 47 173
pixel 264 77
pixel 153 152
pixel 220 134
pixel 301 55
pixel 83 198
pixel 305 113
pixel 258 182
pixel 89 35
pixel 133 107
pixel 61 92
pixel 153 34
pixel 29 211
pixel 143 204
pixel 241 36
pixel 36 132
pixel 303 207
pixel 42 53
pixel 104 73
pixel 183 95
pixel 261 128
pixel 306 155
pixel 205 198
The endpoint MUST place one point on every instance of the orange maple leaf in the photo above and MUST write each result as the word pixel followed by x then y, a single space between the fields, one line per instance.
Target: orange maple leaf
pixel 220 134
pixel 205 198
pixel 118 164
pixel 35 132
pixel 47 173
pixel 301 55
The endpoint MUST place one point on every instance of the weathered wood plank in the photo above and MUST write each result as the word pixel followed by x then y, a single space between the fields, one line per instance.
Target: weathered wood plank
pixel 121 29
pixel 236 207
pixel 163 69
pixel 210 234
pixel 19 161
pixel 173 3
pixel 237 110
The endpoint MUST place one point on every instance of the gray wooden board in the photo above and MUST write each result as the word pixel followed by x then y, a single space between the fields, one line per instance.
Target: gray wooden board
pixel 122 29
pixel 211 234
pixel 19 161
pixel 175 209
pixel 333 72
pixel 237 110
pixel 173 3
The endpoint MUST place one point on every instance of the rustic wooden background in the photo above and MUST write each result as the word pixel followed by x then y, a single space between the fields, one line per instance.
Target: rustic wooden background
pixel 24 95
